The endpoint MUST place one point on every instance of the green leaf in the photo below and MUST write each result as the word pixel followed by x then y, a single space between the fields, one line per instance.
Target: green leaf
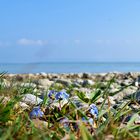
pixel 82 96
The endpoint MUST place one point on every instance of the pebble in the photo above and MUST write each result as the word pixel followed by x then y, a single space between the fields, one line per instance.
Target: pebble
pixel 31 99
pixel 65 82
pixel 44 82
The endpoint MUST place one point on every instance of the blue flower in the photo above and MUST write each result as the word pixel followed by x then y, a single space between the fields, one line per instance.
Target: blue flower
pixel 52 94
pixel 36 113
pixel 93 110
pixel 90 120
pixel 61 95
pixel 65 123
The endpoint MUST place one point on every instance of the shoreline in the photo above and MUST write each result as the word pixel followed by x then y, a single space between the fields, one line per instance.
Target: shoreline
pixel 85 82
pixel 83 75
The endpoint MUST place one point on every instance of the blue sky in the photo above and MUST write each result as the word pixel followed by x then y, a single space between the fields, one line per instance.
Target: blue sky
pixel 69 30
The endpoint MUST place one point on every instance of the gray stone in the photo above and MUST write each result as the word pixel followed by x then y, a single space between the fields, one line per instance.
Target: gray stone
pixel 135 106
pixel 109 76
pixel 127 82
pixel 109 137
pixel 4 99
pixel 125 93
pixel 19 78
pixel 121 103
pixel 64 82
pixel 100 100
pixel 44 82
pixel 111 100
pixel 23 105
pixel 31 99
pixel 79 81
pixel 137 82
pixel 135 96
pixel 76 84
pixel 87 82
pixel 43 74
pixel 86 75
pixel 137 121
pixel 134 74
pixel 79 75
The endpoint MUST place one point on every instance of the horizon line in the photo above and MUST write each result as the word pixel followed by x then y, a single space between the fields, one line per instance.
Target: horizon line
pixel 70 62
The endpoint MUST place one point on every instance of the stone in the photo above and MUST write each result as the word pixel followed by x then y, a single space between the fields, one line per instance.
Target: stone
pixel 58 104
pixel 109 137
pixel 134 75
pixel 55 76
pixel 30 99
pixel 86 91
pixel 127 82
pixel 109 76
pixel 86 76
pixel 137 121
pixel 43 74
pixel 111 101
pixel 125 93
pixel 103 85
pixel 28 85
pixel 44 82
pixel 100 100
pixel 5 83
pixel 23 105
pixel 64 82
pixel 19 78
pixel 137 82
pixel 79 81
pixel 120 104
pixel 40 124
pixel 138 97
pixel 135 106
pixel 114 88
pixel 4 99
pixel 87 83
pixel 76 84
pixel 79 75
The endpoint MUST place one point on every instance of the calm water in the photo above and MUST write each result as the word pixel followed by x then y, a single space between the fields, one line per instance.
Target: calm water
pixel 70 67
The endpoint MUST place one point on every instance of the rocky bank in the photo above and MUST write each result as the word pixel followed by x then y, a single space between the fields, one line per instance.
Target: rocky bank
pixel 123 87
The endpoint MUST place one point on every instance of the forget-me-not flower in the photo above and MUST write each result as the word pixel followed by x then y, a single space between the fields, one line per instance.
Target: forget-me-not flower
pixel 61 95
pixel 36 113
pixel 93 110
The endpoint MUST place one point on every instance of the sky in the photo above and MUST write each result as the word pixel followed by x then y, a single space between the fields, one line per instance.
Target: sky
pixel 69 30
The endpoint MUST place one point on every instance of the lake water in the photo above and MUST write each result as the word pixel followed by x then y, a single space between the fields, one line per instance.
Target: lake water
pixel 96 67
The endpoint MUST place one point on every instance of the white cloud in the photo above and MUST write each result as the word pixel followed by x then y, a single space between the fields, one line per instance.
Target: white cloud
pixel 27 42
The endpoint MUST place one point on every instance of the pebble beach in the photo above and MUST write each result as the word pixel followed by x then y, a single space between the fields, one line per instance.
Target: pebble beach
pixel 41 94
